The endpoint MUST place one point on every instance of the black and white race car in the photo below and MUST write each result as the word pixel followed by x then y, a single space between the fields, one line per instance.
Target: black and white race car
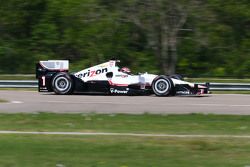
pixel 108 78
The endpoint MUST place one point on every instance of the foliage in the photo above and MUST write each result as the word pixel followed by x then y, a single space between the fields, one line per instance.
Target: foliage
pixel 214 40
pixel 119 151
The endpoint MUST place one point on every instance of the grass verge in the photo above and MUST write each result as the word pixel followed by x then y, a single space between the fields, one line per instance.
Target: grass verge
pixel 17 77
pixel 231 92
pixel 20 89
pixel 218 80
pixel 106 151
pixel 124 151
pixel 3 101
pixel 121 123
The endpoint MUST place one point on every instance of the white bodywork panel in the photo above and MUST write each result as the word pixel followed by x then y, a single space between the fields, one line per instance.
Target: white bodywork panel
pixel 180 82
pixel 98 73
pixel 125 79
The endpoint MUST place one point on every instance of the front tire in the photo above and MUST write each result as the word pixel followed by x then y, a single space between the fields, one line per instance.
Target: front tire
pixel 163 86
pixel 176 76
pixel 62 84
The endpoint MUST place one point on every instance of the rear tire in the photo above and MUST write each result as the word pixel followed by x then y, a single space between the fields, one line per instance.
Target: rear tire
pixel 163 86
pixel 62 84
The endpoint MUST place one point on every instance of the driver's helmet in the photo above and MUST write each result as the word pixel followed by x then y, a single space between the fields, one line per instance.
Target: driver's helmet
pixel 125 70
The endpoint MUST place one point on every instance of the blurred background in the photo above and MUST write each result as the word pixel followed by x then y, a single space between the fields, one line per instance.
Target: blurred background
pixel 195 38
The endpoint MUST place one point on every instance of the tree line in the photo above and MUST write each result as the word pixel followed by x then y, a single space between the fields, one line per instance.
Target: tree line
pixel 190 37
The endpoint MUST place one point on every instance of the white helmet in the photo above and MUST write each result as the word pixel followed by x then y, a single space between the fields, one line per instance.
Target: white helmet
pixel 125 70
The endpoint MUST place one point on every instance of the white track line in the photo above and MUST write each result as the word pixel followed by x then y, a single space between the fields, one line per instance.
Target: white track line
pixel 16 102
pixel 168 104
pixel 122 134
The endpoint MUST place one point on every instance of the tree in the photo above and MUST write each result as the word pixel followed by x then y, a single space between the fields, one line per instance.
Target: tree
pixel 220 40
pixel 161 21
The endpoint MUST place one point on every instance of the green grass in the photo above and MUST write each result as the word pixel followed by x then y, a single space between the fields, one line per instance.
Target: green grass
pixel 146 123
pixel 124 151
pixel 20 89
pixel 17 77
pixel 3 101
pixel 219 80
pixel 231 92
pixel 107 151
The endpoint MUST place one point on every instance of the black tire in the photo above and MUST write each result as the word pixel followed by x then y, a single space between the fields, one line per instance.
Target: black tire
pixel 163 86
pixel 176 76
pixel 62 84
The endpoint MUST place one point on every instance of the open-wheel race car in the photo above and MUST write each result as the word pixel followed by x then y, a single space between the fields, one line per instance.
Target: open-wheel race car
pixel 108 78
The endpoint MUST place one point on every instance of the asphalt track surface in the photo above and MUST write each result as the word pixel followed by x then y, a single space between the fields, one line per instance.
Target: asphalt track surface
pixel 31 101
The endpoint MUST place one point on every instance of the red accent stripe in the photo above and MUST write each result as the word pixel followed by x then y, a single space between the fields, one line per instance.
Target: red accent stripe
pixel 115 84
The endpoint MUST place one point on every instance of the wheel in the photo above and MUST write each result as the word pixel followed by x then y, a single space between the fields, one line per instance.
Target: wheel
pixel 163 86
pixel 62 84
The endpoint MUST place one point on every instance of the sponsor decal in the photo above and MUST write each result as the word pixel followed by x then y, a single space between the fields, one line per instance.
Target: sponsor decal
pixel 111 63
pixel 113 90
pixel 123 76
pixel 183 92
pixel 92 73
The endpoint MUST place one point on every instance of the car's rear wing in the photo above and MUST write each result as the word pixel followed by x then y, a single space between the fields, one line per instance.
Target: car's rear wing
pixel 45 70
pixel 51 65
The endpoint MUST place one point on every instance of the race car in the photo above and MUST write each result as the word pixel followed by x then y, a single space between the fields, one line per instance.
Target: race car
pixel 109 78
